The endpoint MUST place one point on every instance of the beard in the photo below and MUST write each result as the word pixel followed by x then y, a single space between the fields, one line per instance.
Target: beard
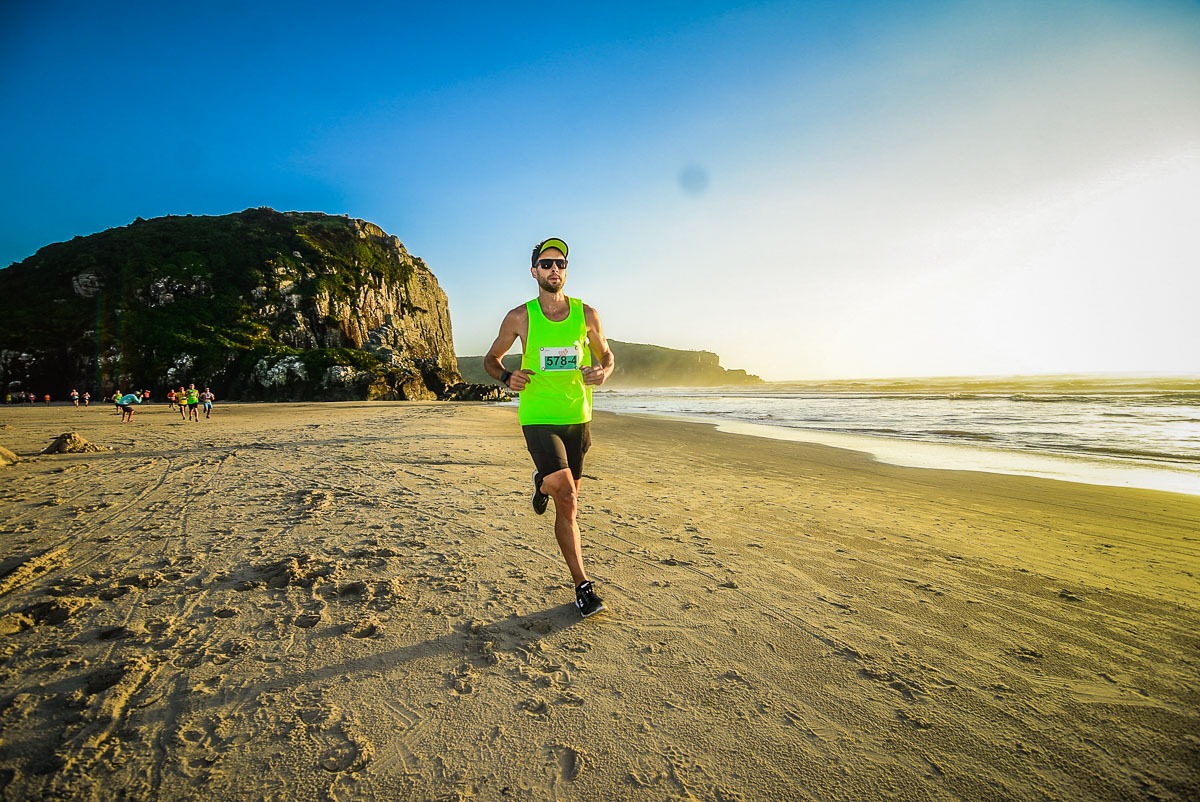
pixel 545 284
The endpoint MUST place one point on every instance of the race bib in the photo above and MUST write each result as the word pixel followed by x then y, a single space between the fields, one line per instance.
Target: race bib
pixel 556 359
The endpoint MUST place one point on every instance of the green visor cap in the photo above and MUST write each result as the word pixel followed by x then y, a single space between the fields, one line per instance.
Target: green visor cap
pixel 553 242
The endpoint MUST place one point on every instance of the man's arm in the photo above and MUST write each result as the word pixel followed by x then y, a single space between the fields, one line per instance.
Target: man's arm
pixel 603 360
pixel 515 325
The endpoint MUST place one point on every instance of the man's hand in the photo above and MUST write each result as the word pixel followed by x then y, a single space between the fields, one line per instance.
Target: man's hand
pixel 518 380
pixel 595 375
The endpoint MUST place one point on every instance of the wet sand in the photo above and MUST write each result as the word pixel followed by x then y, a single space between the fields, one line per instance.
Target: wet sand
pixel 355 601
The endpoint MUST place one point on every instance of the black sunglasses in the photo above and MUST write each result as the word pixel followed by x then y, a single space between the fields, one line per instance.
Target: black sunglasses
pixel 547 264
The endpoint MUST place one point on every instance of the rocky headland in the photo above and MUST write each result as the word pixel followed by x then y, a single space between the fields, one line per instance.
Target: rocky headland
pixel 261 305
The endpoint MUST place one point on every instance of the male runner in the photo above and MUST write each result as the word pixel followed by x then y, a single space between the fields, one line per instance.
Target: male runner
pixel 193 403
pixel 207 398
pixel 564 354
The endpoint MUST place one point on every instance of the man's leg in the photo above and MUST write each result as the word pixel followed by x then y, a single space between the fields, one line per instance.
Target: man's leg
pixel 564 489
pixel 558 453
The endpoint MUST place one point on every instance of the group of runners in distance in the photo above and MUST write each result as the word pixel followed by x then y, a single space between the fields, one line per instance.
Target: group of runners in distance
pixel 189 400
pixel 24 398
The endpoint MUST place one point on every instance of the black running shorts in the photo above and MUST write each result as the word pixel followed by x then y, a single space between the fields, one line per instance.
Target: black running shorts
pixel 556 447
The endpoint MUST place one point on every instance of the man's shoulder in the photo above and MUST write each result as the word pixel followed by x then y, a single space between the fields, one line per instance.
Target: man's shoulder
pixel 516 320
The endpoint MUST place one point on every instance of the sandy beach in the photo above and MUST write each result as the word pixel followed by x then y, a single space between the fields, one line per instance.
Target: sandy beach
pixel 355 602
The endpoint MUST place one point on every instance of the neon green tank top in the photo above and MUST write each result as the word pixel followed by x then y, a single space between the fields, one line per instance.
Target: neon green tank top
pixel 555 352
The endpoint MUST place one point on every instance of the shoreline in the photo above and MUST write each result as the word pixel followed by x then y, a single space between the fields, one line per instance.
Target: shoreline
pixel 967 451
pixel 355 600
pixel 951 456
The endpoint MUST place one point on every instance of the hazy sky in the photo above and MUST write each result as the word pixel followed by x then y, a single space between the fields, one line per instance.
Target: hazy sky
pixel 810 189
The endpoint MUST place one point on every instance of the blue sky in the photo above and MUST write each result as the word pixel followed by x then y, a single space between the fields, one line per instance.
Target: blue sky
pixel 812 190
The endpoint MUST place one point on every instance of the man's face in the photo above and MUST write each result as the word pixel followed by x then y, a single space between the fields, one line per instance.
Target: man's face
pixel 551 270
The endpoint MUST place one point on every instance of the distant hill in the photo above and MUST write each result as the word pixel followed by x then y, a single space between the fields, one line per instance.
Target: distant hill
pixel 259 305
pixel 640 365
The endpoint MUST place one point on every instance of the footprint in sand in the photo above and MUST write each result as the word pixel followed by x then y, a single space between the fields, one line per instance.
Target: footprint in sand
pixel 104 678
pixel 343 751
pixel 911 690
pixel 535 706
pixel 363 629
pixel 52 613
pixel 307 620
pixel 231 650
pixel 341 747
pixel 463 680
pixel 1026 654
pixel 566 762
pixel 914 720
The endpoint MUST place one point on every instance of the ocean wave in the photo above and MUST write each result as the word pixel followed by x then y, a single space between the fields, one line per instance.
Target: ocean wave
pixel 1139 454
pixel 959 434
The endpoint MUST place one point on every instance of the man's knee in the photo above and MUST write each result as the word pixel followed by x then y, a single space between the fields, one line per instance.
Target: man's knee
pixel 560 486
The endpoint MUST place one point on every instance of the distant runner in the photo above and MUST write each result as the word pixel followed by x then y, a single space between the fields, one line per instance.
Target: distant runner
pixel 207 399
pixel 193 403
pixel 126 403
pixel 565 354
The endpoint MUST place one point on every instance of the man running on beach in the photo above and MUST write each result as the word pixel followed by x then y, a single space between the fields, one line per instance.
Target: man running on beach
pixel 193 403
pixel 564 355
pixel 207 398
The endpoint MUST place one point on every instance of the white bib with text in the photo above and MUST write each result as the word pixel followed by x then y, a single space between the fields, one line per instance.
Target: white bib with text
pixel 561 358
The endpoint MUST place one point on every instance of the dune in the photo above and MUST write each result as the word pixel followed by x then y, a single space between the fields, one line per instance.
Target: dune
pixel 355 601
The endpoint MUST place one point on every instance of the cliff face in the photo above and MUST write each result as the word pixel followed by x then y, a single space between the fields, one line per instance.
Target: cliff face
pixel 258 305
pixel 641 365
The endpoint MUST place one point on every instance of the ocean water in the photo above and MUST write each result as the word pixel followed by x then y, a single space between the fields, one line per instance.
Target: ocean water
pixel 1122 432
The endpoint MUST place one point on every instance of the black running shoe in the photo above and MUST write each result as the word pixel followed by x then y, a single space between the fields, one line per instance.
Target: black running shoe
pixel 540 499
pixel 587 601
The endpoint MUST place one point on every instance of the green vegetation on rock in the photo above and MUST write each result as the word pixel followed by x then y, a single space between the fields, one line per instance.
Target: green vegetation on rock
pixel 259 304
